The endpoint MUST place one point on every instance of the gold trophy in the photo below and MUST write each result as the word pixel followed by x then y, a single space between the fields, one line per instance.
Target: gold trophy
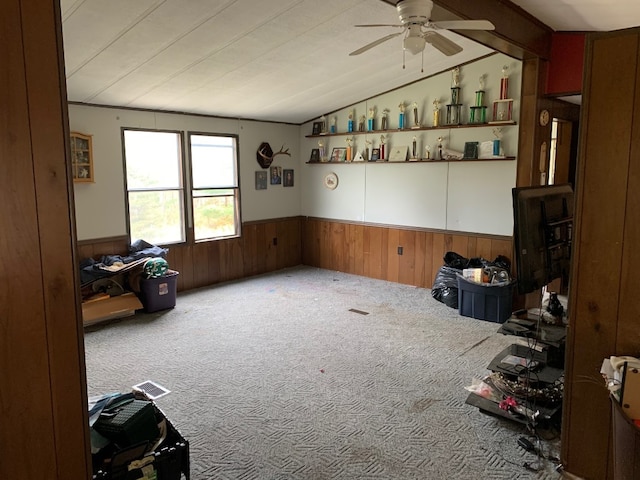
pixel 436 113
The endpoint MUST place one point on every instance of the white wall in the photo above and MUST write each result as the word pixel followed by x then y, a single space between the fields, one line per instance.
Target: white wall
pixel 100 206
pixel 464 196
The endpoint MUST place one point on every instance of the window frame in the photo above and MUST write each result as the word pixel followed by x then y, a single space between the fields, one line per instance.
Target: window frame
pixel 186 173
pixel 191 197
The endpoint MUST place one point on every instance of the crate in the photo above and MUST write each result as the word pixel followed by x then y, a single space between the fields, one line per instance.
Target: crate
pixel 489 302
pixel 159 293
pixel 168 461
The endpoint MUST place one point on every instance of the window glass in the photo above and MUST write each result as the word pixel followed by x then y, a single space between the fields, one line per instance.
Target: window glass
pixel 153 164
pixel 214 181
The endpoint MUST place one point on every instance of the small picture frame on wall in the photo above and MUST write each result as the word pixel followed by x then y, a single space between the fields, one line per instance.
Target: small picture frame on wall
pixel 287 177
pixel 315 155
pixel 375 155
pixel 317 128
pixel 261 180
pixel 276 175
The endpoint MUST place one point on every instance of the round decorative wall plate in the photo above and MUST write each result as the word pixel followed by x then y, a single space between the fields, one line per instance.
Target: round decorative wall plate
pixel 330 180
pixel 544 118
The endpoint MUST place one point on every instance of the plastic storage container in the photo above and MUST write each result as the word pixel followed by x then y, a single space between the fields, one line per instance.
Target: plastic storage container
pixel 159 293
pixel 168 461
pixel 490 302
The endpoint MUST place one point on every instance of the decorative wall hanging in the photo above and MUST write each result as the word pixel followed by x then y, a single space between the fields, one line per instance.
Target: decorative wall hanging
pixel 265 155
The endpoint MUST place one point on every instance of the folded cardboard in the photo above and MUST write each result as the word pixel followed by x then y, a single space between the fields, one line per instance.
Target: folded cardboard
pixel 109 308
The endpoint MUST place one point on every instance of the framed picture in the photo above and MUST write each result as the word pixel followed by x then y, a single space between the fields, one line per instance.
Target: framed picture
pixel 470 150
pixel 276 175
pixel 287 177
pixel 315 155
pixel 317 128
pixel 375 155
pixel 398 154
pixel 261 180
pixel 338 154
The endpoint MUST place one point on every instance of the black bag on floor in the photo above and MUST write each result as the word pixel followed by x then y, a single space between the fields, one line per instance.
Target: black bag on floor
pixel 445 286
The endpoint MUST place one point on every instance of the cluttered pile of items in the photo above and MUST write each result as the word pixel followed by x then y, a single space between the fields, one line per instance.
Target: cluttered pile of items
pixel 477 287
pixel 115 286
pixel 622 377
pixel 131 439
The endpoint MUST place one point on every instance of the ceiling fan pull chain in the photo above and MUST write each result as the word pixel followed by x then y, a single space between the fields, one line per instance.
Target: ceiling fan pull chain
pixel 403 54
pixel 422 67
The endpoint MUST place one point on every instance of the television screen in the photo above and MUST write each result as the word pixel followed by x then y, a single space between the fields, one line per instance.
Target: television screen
pixel 542 222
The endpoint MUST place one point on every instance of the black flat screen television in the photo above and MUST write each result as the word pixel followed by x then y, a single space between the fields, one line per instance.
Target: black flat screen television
pixel 542 224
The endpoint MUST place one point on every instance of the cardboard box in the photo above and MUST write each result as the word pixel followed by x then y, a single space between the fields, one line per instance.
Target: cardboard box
pixel 108 308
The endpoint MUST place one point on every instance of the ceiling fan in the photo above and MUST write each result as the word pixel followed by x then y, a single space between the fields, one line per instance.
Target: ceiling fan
pixel 416 24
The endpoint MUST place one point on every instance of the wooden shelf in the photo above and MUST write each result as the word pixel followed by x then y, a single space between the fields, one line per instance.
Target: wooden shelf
pixel 82 157
pixel 497 159
pixel 409 130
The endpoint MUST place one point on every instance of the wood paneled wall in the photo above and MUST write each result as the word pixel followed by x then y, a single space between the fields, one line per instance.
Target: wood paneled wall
pixel 264 246
pixel 44 425
pixel 368 250
pixel 372 251
pixel 603 298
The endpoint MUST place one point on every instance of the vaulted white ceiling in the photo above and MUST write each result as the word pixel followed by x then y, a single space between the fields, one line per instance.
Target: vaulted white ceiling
pixel 277 60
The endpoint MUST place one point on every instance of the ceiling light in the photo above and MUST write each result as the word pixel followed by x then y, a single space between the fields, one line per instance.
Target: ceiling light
pixel 414 44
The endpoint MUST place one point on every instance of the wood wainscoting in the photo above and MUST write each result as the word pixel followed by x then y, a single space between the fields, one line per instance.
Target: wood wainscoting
pixel 357 248
pixel 373 250
pixel 265 246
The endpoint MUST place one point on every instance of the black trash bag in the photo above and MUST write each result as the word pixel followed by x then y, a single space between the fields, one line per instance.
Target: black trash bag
pixel 502 262
pixel 445 286
pixel 455 260
pixel 477 262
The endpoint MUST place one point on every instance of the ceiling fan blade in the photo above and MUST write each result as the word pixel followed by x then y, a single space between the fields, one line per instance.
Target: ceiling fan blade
pixel 380 25
pixel 373 44
pixel 442 43
pixel 464 25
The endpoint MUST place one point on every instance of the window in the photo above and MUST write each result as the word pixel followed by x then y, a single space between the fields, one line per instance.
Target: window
pixel 157 186
pixel 155 191
pixel 214 180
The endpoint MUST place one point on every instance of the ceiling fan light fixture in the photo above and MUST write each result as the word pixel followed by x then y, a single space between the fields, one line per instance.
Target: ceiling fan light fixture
pixel 414 44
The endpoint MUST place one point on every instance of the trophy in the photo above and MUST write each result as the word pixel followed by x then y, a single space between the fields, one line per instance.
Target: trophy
pixel 497 132
pixel 369 144
pixel 436 112
pixel 361 124
pixel 382 140
pixel 332 126
pixel 427 152
pixel 350 123
pixel 385 121
pixel 348 153
pixel 401 117
pixel 453 108
pixel 416 120
pixel 414 148
pixel 455 77
pixel 440 139
pixel 504 83
pixel 321 151
pixel 372 112
pixel 478 112
pixel 503 108
pixel 323 124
